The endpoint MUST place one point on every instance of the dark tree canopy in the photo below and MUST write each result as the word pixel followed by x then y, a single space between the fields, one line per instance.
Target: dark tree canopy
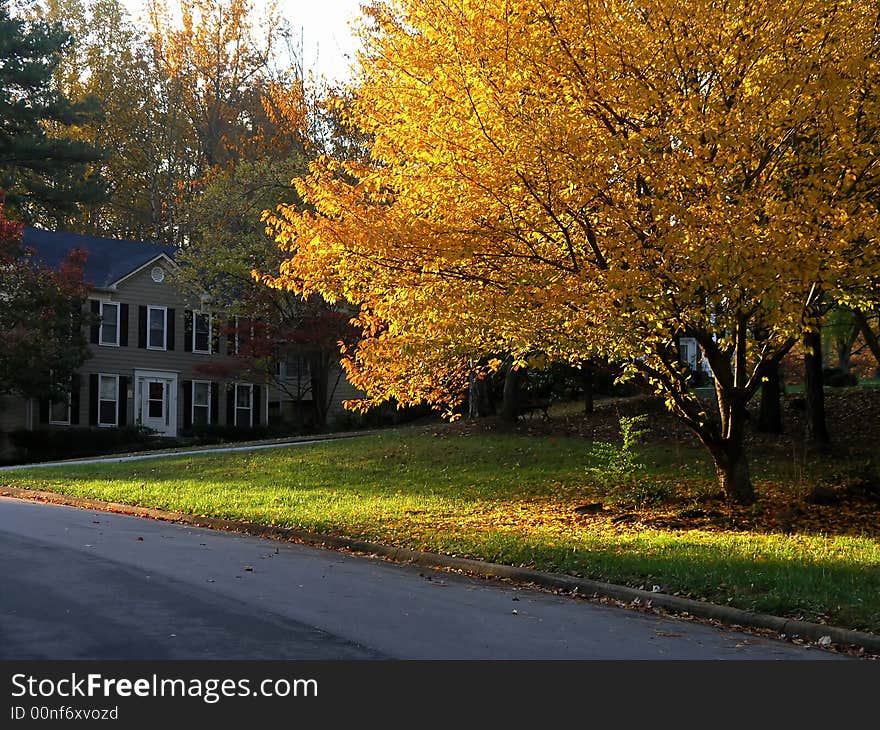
pixel 45 170
pixel 42 340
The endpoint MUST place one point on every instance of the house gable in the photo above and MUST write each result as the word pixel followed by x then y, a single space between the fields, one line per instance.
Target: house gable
pixel 163 262
pixel 108 260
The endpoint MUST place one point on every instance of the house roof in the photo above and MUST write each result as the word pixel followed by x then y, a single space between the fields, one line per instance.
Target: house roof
pixel 109 259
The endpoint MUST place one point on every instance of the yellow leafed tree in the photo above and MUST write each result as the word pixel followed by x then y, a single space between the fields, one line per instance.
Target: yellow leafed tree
pixel 585 178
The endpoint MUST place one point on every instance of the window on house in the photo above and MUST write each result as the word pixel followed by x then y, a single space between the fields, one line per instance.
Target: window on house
pixel 296 367
pixel 156 399
pixel 201 403
pixel 244 401
pixel 682 352
pixel 201 332
pixel 108 399
pixel 59 411
pixel 687 352
pixel 109 324
pixel 156 328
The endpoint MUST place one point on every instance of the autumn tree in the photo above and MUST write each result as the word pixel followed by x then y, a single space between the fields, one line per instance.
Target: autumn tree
pixel 221 54
pixel 140 128
pixel 186 93
pixel 45 169
pixel 596 179
pixel 42 336
pixel 283 339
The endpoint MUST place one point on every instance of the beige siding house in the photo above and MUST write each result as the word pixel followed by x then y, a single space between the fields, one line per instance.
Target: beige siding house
pixel 147 351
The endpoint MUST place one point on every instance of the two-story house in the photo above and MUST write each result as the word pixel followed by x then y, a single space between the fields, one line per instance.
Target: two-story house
pixel 147 349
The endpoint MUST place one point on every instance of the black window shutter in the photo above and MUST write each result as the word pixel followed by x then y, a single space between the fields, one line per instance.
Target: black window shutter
pixel 93 399
pixel 122 402
pixel 123 325
pixel 187 403
pixel 230 406
pixel 169 323
pixel 75 385
pixel 230 337
pixel 142 326
pixel 215 404
pixel 95 328
pixel 44 410
pixel 257 405
pixel 215 336
pixel 187 330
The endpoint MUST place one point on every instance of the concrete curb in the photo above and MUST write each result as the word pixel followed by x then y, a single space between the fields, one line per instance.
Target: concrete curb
pixel 583 587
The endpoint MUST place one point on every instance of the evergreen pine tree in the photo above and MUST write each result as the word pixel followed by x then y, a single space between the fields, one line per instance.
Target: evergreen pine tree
pixel 45 170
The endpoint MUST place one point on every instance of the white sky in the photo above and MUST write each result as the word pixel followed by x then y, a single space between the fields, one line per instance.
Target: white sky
pixel 328 44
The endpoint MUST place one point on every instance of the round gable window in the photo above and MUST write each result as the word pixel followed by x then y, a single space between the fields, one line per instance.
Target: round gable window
pixel 158 274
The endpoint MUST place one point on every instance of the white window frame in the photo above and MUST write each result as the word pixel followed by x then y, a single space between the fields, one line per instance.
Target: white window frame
pixel 210 317
pixel 164 400
pixel 115 423
pixel 69 407
pixel 164 310
pixel 192 414
pixel 251 408
pixel 101 326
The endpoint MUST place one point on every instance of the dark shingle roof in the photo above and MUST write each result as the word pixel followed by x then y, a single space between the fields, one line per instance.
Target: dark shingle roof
pixel 108 259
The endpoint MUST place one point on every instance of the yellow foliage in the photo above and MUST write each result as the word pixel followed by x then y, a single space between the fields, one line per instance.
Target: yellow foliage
pixel 582 178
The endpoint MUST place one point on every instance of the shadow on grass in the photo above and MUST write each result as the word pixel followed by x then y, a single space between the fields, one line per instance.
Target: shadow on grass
pixel 840 588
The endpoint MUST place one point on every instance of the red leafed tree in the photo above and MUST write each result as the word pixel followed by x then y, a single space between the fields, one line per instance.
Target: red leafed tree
pixel 290 343
pixel 42 338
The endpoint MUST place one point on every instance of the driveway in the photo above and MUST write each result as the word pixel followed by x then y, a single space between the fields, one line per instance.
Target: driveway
pixel 83 584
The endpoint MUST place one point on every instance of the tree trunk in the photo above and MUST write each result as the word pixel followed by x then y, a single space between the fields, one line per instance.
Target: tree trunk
pixel 770 414
pixel 510 398
pixel 319 370
pixel 729 454
pixel 473 398
pixel 844 355
pixel 478 398
pixel 844 347
pixel 734 480
pixel 868 334
pixel 844 343
pixel 587 383
pixel 817 429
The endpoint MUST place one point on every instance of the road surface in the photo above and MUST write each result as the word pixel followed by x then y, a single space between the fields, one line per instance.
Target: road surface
pixel 81 584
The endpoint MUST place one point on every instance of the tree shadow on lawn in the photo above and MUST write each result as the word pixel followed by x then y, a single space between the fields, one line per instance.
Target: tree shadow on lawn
pixel 840 587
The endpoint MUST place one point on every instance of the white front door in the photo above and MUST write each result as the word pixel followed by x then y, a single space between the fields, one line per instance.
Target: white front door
pixel 157 401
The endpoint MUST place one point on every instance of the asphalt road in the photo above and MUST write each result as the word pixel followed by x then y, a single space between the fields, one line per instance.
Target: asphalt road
pixel 77 584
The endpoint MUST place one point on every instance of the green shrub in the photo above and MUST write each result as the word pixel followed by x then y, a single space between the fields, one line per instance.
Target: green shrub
pixel 619 463
pixel 620 469
pixel 43 444
pixel 382 416
pixel 837 378
pixel 216 434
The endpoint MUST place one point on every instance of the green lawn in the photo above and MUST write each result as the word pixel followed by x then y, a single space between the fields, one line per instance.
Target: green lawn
pixel 507 499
